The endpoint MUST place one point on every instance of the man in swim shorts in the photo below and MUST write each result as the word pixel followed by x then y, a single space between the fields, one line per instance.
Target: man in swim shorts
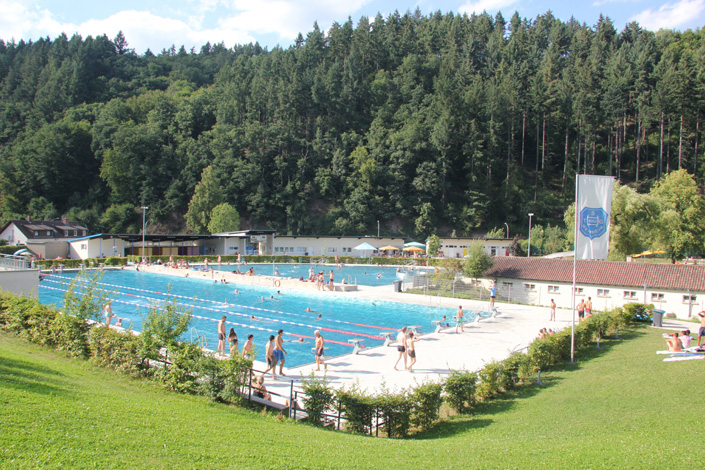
pixel 701 331
pixel 221 335
pixel 269 355
pixel 320 347
pixel 588 307
pixel 459 319
pixel 581 310
pixel 401 347
pixel 279 350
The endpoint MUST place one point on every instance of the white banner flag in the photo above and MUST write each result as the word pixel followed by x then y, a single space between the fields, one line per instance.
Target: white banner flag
pixel 593 209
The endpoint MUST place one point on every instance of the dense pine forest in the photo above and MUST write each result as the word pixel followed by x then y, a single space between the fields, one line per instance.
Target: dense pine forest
pixel 433 123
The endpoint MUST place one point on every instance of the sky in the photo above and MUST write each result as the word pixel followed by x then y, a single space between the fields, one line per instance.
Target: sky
pixel 156 24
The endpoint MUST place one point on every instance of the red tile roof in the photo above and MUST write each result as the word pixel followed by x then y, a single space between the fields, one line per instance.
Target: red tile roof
pixel 605 273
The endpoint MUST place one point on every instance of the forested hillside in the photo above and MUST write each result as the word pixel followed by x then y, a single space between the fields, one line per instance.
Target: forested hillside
pixel 425 123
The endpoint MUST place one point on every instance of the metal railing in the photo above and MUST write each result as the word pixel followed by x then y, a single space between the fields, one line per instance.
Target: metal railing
pixel 14 263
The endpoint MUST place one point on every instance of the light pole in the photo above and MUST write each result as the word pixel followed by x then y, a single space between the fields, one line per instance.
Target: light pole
pixel 528 254
pixel 507 230
pixel 378 229
pixel 144 227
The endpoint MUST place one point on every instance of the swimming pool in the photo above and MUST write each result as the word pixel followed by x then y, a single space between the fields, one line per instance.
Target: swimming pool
pixel 341 318
pixel 353 274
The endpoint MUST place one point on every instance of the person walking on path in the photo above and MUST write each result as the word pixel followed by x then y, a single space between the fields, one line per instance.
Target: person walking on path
pixel 459 319
pixel 581 310
pixel 401 347
pixel 320 347
pixel 221 335
pixel 553 311
pixel 279 350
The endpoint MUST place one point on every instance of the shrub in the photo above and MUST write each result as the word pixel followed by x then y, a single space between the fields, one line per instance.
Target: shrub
pixel 236 371
pixel 460 390
pixel 70 334
pixel 211 377
pixel 27 318
pixel 511 370
pixel 490 381
pixel 426 402
pixel 358 409
pixel 164 325
pixel 318 398
pixel 110 348
pixel 395 411
pixel 638 313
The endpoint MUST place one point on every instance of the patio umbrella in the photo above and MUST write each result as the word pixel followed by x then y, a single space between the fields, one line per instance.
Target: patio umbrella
pixel 415 244
pixel 414 248
pixel 364 247
pixel 389 248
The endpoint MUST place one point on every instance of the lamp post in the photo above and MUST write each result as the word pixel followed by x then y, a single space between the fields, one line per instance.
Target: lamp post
pixel 378 229
pixel 528 254
pixel 144 226
pixel 507 230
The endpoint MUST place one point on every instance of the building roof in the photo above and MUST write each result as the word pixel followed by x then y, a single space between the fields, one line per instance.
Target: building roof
pixel 611 273
pixel 28 227
pixel 150 237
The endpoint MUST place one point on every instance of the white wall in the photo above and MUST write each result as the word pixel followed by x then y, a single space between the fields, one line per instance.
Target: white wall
pixel 457 247
pixel 24 283
pixel 13 235
pixel 329 246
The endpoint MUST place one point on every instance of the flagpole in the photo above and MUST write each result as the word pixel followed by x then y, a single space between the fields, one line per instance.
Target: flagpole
pixel 575 269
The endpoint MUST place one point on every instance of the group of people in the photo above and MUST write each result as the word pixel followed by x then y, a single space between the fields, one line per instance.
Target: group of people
pixel 406 346
pixel 231 337
pixel 584 309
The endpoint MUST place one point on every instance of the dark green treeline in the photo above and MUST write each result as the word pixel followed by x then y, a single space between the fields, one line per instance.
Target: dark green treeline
pixel 424 123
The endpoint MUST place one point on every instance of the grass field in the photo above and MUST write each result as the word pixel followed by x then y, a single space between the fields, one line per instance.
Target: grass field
pixel 621 407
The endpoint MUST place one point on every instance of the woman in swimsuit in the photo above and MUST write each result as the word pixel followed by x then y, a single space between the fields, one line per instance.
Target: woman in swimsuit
pixel 232 339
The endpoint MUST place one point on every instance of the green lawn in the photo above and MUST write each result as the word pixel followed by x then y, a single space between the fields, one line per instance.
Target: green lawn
pixel 621 407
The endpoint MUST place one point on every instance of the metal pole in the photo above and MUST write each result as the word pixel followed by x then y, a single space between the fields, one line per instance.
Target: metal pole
pixel 507 230
pixel 144 226
pixel 528 251
pixel 575 269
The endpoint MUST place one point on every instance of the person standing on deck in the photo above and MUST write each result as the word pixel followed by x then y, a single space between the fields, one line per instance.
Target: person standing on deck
pixel 279 350
pixel 221 335
pixel 320 348
pixel 401 347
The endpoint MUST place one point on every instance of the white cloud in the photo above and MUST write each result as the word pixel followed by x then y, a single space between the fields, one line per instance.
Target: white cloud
pixel 478 6
pixel 19 22
pixel 670 15
pixel 145 30
pixel 286 18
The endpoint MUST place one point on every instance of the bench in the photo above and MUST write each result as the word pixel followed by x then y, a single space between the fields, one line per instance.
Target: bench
pixel 358 345
pixel 268 403
pixel 387 335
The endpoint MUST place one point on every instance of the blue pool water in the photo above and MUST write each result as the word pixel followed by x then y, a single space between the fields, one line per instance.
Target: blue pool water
pixel 341 319
pixel 353 274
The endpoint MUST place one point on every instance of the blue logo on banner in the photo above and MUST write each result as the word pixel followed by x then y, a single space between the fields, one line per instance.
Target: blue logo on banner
pixel 593 222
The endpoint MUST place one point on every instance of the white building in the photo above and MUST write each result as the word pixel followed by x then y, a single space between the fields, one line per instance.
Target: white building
pixel 458 247
pixel 329 245
pixel 678 289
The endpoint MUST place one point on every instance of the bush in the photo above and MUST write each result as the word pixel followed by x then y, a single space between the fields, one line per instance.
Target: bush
pixel 211 377
pixel 460 390
pixel 27 318
pixel 490 381
pixel 318 399
pixel 426 402
pixel 638 313
pixel 113 349
pixel 511 370
pixel 395 411
pixel 358 409
pixel 70 334
pixel 237 375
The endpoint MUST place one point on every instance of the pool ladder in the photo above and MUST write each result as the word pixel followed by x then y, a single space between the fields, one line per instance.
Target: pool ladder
pixel 201 340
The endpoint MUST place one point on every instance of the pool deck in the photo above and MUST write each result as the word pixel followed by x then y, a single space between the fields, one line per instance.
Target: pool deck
pixel 437 353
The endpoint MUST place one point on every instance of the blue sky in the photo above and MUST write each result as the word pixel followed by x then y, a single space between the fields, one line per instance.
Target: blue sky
pixel 158 24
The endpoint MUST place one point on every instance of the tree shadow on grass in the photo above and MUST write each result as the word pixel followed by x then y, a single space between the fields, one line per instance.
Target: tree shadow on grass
pixel 29 377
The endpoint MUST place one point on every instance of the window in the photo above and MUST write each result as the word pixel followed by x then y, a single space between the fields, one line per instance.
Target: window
pixel 629 294
pixel 655 296
pixel 603 292
pixel 36 233
pixel 84 246
pixel 553 289
pixel 690 299
pixel 579 291
pixel 530 287
pixel 347 249
pixel 506 284
pixel 493 251
pixel 331 249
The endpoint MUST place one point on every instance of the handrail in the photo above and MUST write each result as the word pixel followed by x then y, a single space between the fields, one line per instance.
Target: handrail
pixel 11 262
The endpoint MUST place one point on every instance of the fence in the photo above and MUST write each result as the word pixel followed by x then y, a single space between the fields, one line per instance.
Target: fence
pixel 14 263
pixel 441 285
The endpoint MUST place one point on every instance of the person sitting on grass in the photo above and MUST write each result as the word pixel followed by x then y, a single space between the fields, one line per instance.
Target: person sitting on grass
pixel 685 338
pixel 674 343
